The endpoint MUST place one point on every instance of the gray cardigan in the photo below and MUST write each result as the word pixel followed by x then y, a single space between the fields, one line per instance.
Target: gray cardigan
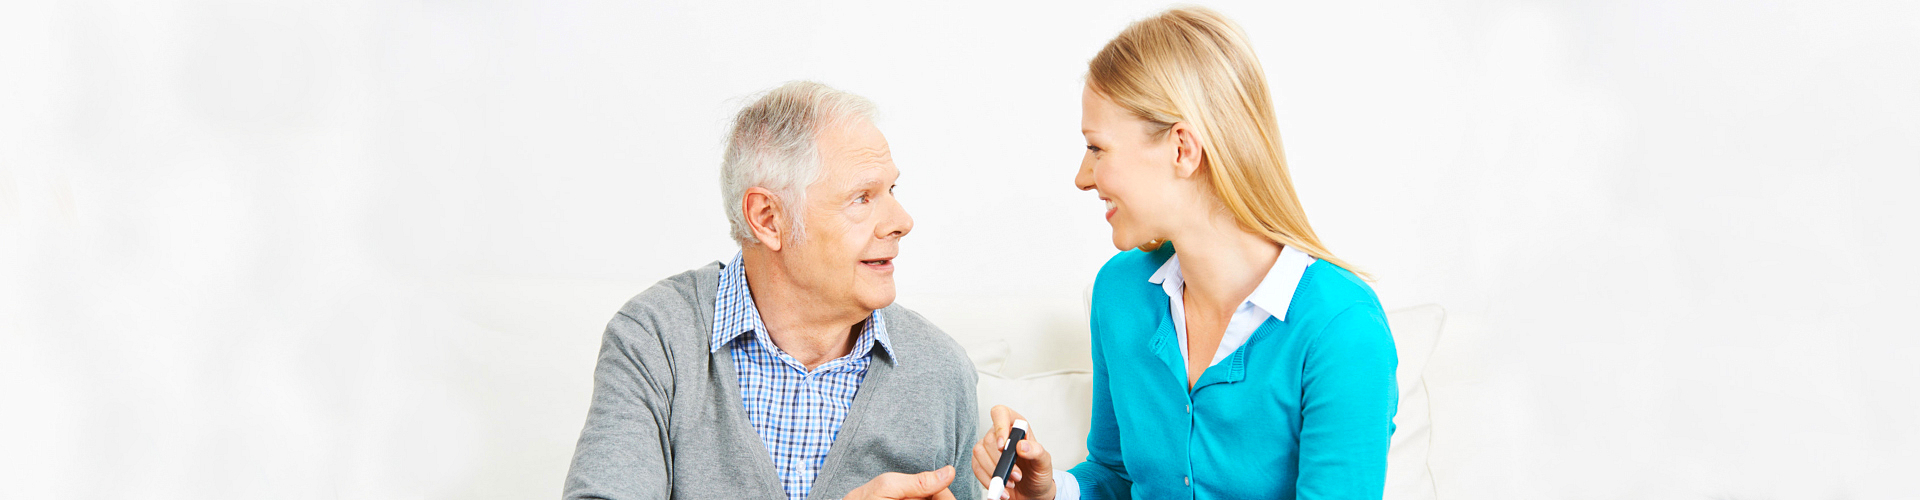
pixel 667 421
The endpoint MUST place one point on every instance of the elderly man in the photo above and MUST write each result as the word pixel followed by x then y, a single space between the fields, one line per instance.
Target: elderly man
pixel 787 372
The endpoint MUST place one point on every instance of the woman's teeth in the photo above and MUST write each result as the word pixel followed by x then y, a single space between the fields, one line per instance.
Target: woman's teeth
pixel 1110 204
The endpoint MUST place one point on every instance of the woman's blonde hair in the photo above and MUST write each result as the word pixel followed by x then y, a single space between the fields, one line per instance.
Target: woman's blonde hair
pixel 1193 65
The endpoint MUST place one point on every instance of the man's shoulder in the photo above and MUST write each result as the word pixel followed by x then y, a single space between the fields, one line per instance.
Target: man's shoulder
pixel 679 303
pixel 917 340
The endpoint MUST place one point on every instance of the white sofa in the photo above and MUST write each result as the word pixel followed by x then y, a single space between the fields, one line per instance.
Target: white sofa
pixel 1058 401
pixel 524 361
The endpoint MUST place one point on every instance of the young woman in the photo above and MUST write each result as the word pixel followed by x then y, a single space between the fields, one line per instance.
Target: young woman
pixel 1234 356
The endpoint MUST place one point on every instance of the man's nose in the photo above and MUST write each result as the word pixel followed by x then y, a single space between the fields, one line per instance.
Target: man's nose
pixel 899 223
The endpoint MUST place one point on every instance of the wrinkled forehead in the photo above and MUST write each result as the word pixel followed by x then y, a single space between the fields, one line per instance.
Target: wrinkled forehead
pixel 854 153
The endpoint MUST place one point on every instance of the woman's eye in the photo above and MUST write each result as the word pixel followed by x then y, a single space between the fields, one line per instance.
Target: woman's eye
pixel 1092 148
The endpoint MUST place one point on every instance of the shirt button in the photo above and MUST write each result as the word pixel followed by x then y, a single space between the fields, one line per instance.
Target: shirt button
pixel 1187 480
pixel 1189 408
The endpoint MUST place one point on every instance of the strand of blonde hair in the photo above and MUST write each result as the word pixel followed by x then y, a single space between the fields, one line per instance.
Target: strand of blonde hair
pixel 1193 65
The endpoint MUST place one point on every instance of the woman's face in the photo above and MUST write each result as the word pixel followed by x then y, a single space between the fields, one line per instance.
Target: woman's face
pixel 1131 170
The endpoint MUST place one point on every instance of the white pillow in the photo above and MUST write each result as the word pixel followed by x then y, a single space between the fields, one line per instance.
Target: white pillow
pixel 989 356
pixel 1057 404
pixel 1416 330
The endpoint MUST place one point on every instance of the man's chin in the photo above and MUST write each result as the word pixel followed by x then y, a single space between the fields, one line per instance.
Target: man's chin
pixel 876 299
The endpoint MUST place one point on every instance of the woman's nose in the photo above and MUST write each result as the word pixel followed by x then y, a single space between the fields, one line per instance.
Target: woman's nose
pixel 1084 178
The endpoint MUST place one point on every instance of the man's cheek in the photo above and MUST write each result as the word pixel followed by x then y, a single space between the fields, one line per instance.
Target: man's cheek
pixel 859 214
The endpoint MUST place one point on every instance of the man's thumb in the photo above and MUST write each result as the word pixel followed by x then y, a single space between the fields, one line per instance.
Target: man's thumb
pixel 929 482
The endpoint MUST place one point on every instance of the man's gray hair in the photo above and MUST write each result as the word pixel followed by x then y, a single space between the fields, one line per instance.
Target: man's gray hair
pixel 773 145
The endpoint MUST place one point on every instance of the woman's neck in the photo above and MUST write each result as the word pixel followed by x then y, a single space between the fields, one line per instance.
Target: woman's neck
pixel 1222 263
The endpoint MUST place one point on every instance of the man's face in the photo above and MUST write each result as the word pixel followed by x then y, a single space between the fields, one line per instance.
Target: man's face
pixel 853 222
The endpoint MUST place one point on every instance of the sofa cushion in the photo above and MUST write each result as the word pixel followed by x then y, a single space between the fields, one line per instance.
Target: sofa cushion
pixel 1057 404
pixel 1416 330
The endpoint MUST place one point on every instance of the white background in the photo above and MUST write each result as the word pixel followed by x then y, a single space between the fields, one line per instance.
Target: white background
pixel 365 249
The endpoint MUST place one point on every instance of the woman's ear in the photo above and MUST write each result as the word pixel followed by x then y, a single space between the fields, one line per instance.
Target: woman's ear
pixel 1187 152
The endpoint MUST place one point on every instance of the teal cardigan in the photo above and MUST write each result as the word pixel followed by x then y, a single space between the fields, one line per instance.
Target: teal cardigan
pixel 1303 410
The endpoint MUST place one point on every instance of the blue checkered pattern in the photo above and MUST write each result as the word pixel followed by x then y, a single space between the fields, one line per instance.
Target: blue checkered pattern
pixel 796 412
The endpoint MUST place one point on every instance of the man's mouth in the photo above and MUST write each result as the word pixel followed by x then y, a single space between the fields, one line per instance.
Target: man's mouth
pixel 879 262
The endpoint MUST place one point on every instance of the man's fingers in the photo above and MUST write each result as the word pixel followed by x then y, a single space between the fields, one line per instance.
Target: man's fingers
pixel 920 485
pixel 894 485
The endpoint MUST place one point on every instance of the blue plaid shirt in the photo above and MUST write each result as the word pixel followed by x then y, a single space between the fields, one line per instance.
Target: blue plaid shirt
pixel 795 411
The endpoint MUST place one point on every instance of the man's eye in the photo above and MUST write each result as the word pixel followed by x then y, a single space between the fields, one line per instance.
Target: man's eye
pixel 861 199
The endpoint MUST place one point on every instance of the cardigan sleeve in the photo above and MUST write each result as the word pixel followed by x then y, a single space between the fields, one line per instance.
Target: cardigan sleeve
pixel 1348 399
pixel 1103 475
pixel 623 452
pixel 966 399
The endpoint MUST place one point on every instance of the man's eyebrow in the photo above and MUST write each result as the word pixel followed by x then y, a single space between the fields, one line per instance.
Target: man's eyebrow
pixel 867 184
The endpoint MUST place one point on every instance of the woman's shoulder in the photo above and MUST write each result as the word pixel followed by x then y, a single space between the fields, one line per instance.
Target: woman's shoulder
pixel 1342 317
pixel 1126 273
pixel 1328 289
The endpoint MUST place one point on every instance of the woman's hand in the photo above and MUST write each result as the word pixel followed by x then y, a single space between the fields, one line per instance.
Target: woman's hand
pixel 1032 475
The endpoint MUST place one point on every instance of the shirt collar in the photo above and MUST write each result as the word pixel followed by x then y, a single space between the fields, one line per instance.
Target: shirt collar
pixel 734 314
pixel 1275 292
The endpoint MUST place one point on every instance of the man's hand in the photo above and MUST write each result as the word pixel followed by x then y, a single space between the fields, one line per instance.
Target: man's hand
pixel 896 486
pixel 1032 475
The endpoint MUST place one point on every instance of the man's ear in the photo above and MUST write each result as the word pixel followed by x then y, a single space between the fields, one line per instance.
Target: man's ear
pixel 766 219
pixel 1187 152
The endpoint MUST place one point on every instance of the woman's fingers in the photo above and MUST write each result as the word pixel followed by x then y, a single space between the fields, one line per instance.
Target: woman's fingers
pixel 1003 418
pixel 1033 453
pixel 1002 421
pixel 1034 457
pixel 1028 452
pixel 982 464
pixel 990 452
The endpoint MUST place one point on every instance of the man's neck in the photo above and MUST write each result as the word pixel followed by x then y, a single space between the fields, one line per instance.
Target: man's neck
pixel 801 322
